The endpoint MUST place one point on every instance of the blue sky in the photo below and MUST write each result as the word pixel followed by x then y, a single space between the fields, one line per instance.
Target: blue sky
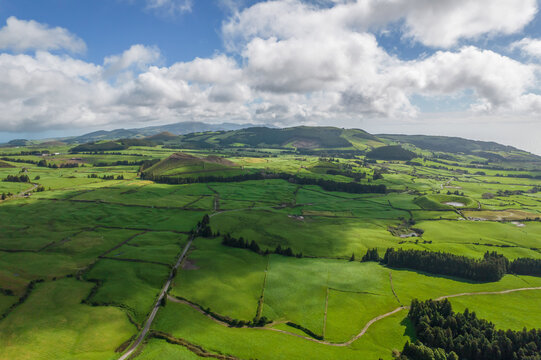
pixel 110 26
pixel 451 67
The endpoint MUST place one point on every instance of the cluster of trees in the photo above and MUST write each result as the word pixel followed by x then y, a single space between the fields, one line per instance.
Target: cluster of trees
pixel 17 178
pixel 521 176
pixel 509 192
pixel 456 192
pixel 7 292
pixel 328 185
pixel 120 163
pixel 230 241
pixel 43 163
pixel 4 196
pixel 526 266
pixel 285 252
pixel 204 227
pixel 26 153
pixel 24 161
pixel 106 177
pixel 443 334
pixel 371 255
pixel 491 268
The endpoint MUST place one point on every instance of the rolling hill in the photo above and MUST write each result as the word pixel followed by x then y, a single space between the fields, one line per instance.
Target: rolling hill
pixel 186 165
pixel 180 128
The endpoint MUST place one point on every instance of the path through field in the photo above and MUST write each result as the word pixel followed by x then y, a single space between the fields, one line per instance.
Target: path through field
pixel 158 303
pixel 365 328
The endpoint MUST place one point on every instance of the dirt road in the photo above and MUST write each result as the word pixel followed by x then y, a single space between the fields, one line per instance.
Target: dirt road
pixel 157 305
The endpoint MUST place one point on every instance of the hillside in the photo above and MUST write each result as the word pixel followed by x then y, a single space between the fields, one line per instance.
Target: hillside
pixel 300 137
pixel 487 149
pixel 391 152
pixel 175 129
pixel 183 164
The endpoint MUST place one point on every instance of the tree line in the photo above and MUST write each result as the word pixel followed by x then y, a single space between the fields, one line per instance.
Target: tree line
pixel 120 163
pixel 328 185
pixel 43 163
pixel 24 161
pixel 106 177
pixel 17 178
pixel 240 243
pixel 526 266
pixel 446 335
pixel 492 267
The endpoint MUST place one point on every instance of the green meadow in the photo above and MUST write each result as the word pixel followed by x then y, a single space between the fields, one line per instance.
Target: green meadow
pixel 83 260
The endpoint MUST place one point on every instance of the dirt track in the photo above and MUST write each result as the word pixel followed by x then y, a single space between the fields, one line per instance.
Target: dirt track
pixel 157 305
pixel 368 324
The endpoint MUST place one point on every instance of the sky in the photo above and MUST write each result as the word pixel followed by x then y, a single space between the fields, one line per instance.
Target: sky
pixel 448 67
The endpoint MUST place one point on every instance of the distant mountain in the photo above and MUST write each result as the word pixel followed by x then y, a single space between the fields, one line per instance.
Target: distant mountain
pixel 18 142
pixel 198 135
pixel 445 144
pixel 300 137
pixel 175 129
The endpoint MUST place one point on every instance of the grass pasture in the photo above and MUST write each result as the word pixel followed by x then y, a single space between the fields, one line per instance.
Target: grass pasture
pixel 62 327
pixel 104 248
pixel 129 285
pixel 233 279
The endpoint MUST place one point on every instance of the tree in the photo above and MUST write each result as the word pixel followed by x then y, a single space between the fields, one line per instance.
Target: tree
pixel 254 247
pixel 371 255
pixel 4 196
pixel 352 258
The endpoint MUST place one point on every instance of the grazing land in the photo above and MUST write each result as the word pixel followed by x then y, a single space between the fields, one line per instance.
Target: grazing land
pixel 290 228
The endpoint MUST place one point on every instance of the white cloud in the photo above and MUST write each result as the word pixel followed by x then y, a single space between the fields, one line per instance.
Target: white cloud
pixel 441 23
pixel 21 35
pixel 290 62
pixel 170 7
pixel 137 56
pixel 498 81
pixel 528 47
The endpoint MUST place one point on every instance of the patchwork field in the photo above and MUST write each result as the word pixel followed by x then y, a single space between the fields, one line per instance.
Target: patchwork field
pixel 266 249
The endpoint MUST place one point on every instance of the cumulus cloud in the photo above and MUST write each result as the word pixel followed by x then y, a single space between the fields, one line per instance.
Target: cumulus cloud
pixel 528 47
pixel 441 23
pixel 137 56
pixel 288 62
pixel 21 35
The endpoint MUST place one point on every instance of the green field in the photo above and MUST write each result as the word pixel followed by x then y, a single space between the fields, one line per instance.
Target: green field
pixel 83 261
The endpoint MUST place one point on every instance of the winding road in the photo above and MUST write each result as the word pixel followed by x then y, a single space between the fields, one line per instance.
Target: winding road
pixel 157 305
pixel 368 324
